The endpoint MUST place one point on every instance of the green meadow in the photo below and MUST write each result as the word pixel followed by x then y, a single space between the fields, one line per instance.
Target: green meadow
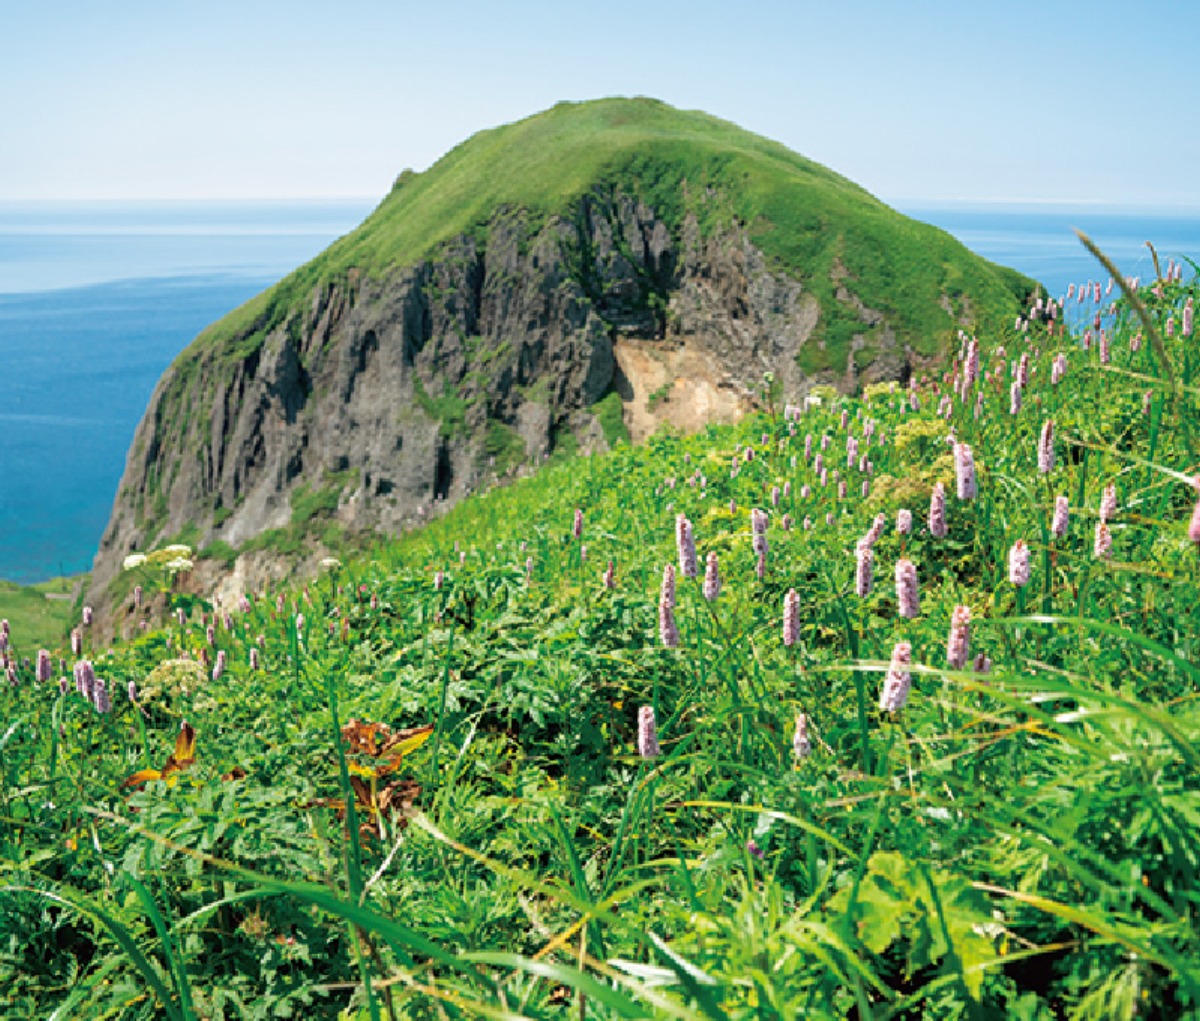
pixel 527 763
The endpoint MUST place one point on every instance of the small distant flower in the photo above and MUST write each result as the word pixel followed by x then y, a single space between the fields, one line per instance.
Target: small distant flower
pixel 330 563
pixel 1188 312
pixel 528 567
pixel 982 664
pixel 85 678
pixel 1170 326
pixel 864 569
pixel 1018 563
pixel 210 635
pixel 610 576
pixel 842 490
pixel 582 553
pixel 801 745
pixel 219 665
pixel 964 472
pixel 1146 398
pixel 791 618
pixel 808 447
pixel 958 645
pixel 907 594
pixel 1045 452
pixel 805 491
pixel 774 496
pixel 300 624
pixel 1014 395
pixel 903 521
pixel 253 657
pixel 829 518
pixel 647 739
pixel 754 849
pixel 76 642
pixel 1102 548
pixel 786 522
pixel 825 440
pixel 137 596
pixel 712 577
pixel 132 561
pixel 43 666
pixel 898 680
pixel 100 697
pixel 1058 524
pixel 577 528
pixel 1108 503
pixel 88 616
pixel 181 616
pixel 760 566
pixel 131 691
pixel 1105 356
pixel 686 546
pixel 1135 343
pixel 758 529
pixel 807 523
pixel 875 532
pixel 438 580
pixel 937 511
pixel 667 631
pixel 1058 368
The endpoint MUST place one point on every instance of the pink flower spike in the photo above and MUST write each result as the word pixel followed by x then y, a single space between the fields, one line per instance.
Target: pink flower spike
pixel 1058 524
pixel 907 595
pixel 712 578
pixel 937 512
pixel 1018 564
pixel 864 569
pixel 791 618
pixel 964 472
pixel 1045 453
pixel 1108 503
pixel 898 681
pixel 958 645
pixel 647 738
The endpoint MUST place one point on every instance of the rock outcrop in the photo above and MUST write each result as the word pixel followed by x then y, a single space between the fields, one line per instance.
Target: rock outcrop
pixel 375 395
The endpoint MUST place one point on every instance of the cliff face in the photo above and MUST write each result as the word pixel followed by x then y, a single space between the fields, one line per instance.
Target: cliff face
pixel 384 397
pixel 379 384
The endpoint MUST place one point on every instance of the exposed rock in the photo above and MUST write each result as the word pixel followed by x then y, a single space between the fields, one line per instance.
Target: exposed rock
pixel 382 400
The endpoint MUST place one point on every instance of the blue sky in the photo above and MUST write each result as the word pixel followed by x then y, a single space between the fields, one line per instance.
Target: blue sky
pixel 1045 101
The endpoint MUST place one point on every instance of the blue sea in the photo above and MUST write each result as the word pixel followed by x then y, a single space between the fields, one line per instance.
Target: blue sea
pixel 97 299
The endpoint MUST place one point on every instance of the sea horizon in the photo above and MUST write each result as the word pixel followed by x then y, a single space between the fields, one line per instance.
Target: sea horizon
pixel 97 297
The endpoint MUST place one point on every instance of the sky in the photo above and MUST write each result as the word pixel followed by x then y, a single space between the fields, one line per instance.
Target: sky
pixel 1032 101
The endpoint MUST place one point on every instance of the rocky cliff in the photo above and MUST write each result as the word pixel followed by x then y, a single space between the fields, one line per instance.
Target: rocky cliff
pixel 374 386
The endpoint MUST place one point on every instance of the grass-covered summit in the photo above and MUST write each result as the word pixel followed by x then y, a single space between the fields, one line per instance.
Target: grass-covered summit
pixel 812 224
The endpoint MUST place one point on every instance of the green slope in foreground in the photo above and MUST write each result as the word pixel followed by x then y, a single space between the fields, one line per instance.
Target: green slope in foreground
pixel 804 217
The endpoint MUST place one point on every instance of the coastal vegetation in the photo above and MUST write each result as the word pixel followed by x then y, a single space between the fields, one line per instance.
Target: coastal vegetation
pixel 880 707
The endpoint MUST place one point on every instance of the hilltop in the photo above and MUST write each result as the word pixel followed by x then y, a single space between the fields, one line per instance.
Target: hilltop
pixel 550 285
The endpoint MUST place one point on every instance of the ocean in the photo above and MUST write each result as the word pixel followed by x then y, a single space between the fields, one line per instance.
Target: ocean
pixel 96 299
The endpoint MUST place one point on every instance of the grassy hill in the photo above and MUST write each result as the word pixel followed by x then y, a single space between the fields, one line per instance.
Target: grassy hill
pixel 804 217
pixel 422 786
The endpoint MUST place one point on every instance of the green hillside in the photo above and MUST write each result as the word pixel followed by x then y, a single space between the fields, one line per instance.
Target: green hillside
pixel 804 217
pixel 425 786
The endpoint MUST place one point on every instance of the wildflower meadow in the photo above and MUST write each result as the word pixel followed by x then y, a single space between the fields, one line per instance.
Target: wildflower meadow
pixel 876 707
